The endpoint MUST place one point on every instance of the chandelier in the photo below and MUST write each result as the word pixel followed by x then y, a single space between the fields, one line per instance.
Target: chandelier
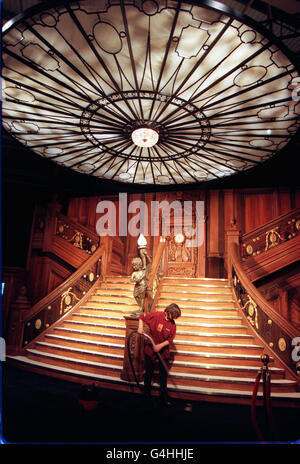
pixel 147 92
pixel 145 137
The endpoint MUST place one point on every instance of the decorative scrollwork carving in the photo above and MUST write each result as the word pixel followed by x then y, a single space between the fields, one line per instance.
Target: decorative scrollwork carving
pixel 251 307
pixel 282 344
pixel 272 238
pixel 268 236
pixel 67 300
pixel 75 237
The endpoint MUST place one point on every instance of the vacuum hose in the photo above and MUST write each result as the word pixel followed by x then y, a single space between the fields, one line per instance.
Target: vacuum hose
pixel 160 359
pixel 130 358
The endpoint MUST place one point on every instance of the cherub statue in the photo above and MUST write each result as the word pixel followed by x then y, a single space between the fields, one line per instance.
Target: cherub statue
pixel 140 278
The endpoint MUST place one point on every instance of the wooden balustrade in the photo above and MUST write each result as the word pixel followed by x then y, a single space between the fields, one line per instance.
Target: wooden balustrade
pixel 77 235
pixel 155 275
pixel 272 246
pixel 280 336
pixel 27 324
pixel 52 232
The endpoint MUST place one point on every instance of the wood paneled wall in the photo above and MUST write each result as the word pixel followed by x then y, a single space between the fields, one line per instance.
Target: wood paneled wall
pixel 282 290
pixel 243 209
pixel 45 274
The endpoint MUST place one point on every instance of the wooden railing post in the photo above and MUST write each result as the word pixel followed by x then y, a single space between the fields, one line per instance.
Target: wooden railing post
pixel 51 217
pixel 232 236
pixel 154 276
pixel 134 344
pixel 18 311
pixel 106 259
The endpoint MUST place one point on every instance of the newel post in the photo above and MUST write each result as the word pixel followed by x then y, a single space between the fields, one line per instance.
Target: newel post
pixel 15 327
pixel 50 224
pixel 106 259
pixel 232 237
pixel 133 352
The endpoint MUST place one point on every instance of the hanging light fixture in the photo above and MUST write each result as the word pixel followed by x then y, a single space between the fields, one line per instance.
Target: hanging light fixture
pixel 145 137
pixel 201 102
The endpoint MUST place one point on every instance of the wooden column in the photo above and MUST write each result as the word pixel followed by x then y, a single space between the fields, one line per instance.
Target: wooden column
pixel 15 329
pixel 50 227
pixel 232 236
pixel 136 342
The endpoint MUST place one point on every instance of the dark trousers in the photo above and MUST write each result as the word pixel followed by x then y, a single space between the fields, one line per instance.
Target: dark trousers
pixel 163 376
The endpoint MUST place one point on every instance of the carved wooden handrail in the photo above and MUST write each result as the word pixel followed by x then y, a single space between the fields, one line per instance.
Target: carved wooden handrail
pixel 29 324
pixel 78 235
pixel 279 230
pixel 280 336
pixel 49 224
pixel 155 276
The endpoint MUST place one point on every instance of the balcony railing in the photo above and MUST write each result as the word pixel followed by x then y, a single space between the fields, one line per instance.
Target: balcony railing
pixel 26 325
pixel 263 239
pixel 281 338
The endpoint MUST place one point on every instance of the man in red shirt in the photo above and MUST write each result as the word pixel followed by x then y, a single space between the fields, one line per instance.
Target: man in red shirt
pixel 162 330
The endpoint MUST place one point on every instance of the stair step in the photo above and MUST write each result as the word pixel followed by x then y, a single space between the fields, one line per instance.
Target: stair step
pixel 114 292
pixel 84 351
pixel 213 337
pixel 100 315
pixel 120 289
pixel 114 278
pixel 67 362
pixel 200 304
pixel 181 390
pixel 107 311
pixel 235 383
pixel 115 299
pixel 194 312
pixel 209 326
pixel 209 318
pixel 119 281
pixel 70 341
pixel 188 296
pixel 195 292
pixel 195 281
pixel 96 302
pixel 94 335
pixel 216 357
pixel 94 329
pixel 215 347
pixel 118 321
pixel 222 369
pixel 71 371
pixel 108 345
pixel 105 327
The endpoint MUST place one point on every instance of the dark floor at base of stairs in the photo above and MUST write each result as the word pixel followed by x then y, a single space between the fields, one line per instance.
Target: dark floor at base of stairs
pixel 42 409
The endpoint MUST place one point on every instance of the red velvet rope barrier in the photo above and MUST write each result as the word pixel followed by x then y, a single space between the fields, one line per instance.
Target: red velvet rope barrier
pixel 269 408
pixel 253 408
pixel 264 372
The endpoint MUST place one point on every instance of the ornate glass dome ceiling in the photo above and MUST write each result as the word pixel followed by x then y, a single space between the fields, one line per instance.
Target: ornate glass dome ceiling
pixel 80 78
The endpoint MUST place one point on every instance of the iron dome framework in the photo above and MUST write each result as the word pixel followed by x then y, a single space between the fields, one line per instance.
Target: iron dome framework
pixel 80 77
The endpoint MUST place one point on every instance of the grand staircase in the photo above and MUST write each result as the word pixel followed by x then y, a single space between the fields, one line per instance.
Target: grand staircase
pixel 214 356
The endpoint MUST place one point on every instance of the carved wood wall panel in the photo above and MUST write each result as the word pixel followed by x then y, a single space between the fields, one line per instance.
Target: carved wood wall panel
pixel 182 260
pixel 241 209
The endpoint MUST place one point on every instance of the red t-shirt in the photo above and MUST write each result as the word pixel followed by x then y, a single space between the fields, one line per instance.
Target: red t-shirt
pixel 160 330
